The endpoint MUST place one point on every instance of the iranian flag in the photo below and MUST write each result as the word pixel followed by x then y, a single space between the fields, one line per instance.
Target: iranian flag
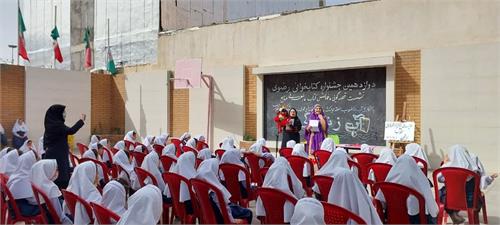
pixel 57 51
pixel 111 63
pixel 21 29
pixel 88 50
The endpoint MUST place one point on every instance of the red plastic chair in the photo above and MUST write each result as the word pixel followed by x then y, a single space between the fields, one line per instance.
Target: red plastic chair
pixel 72 199
pixel 128 144
pixel 274 201
pixel 104 215
pixel 117 170
pixel 380 171
pixel 262 173
pixel 114 150
pixel 396 207
pixel 197 163
pixel 82 148
pixel 8 199
pixel 166 162
pixel 297 163
pixel 456 198
pixel 201 145
pixel 322 157
pixel 158 148
pixel 74 159
pixel 189 149
pixel 324 184
pixel 103 166
pixel 37 192
pixel 253 164
pixel 357 166
pixel 363 159
pixel 173 181
pixel 231 172
pixel 335 214
pixel 285 152
pixel 3 204
pixel 219 153
pixel 109 154
pixel 202 190
pixel 142 175
pixel 138 157
pixel 177 144
pixel 423 162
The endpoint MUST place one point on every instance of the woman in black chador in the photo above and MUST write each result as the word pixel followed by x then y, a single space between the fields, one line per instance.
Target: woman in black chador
pixel 292 128
pixel 55 141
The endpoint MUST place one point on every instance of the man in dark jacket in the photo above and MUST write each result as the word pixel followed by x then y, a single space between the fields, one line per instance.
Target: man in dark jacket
pixel 55 141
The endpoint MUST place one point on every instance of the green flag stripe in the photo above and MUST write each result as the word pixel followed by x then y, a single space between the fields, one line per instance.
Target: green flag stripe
pixel 22 28
pixel 54 33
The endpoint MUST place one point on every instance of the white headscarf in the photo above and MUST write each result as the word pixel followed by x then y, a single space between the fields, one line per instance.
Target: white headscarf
pixel 41 149
pixel 148 140
pixel 208 171
pixel 162 139
pixel 348 192
pixel 144 207
pixel 366 149
pixel 338 159
pixel 43 174
pixel 185 167
pixel 93 140
pixel 290 143
pixel 416 150
pixel 169 150
pixel 458 157
pixel 114 197
pixel 89 154
pixel 8 163
pixel 256 148
pixel 406 172
pixel 81 183
pixel 205 153
pixel 387 156
pixel 120 145
pixel 299 150
pixel 25 147
pixel 19 182
pixel 191 143
pixel 105 156
pixel 308 211
pixel 184 136
pixel 121 159
pixel 104 142
pixel 129 136
pixel 18 126
pixel 151 164
pixel 261 141
pixel 328 145
pixel 3 152
pixel 232 156
pixel 277 177
pixel 228 143
pixel 200 137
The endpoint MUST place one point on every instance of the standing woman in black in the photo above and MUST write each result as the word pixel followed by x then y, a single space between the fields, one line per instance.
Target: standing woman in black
pixel 55 141
pixel 292 128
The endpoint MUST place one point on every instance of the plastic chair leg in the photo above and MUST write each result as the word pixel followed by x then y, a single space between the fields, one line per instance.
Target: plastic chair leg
pixel 485 214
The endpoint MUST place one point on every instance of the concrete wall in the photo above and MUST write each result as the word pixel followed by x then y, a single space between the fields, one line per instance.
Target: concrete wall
pixel 146 102
pixel 461 101
pixel 45 87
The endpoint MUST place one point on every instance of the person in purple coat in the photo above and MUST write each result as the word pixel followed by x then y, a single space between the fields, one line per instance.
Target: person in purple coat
pixel 316 135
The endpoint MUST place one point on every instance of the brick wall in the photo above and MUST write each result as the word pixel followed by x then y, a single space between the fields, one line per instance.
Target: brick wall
pixel 12 87
pixel 407 87
pixel 250 102
pixel 108 105
pixel 179 111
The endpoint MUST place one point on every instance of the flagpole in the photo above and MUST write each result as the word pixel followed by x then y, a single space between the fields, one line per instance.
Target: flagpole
pixel 107 48
pixel 18 9
pixel 55 24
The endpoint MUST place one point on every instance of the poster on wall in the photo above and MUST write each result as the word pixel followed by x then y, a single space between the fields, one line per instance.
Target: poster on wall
pixel 399 131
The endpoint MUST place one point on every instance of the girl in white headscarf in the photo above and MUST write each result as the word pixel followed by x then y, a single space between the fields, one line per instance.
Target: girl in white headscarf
pixel 169 151
pixel 406 172
pixel 162 139
pixel 131 137
pixel 106 156
pixel 191 143
pixel 43 174
pixel 151 164
pixel 204 154
pixel 9 162
pixel 27 146
pixel 120 145
pixel 348 192
pixel 114 197
pixel 308 211
pixel 290 143
pixel 233 156
pixel 82 183
pixel 19 184
pixel 337 160
pixel 185 167
pixel 185 137
pixel 386 156
pixel 148 142
pixel 299 150
pixel 277 177
pixel 19 133
pixel 256 149
pixel 94 140
pixel 227 143
pixel 208 171
pixel 41 149
pixel 414 149
pixel 122 159
pixel 328 145
pixel 366 149
pixel 144 207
